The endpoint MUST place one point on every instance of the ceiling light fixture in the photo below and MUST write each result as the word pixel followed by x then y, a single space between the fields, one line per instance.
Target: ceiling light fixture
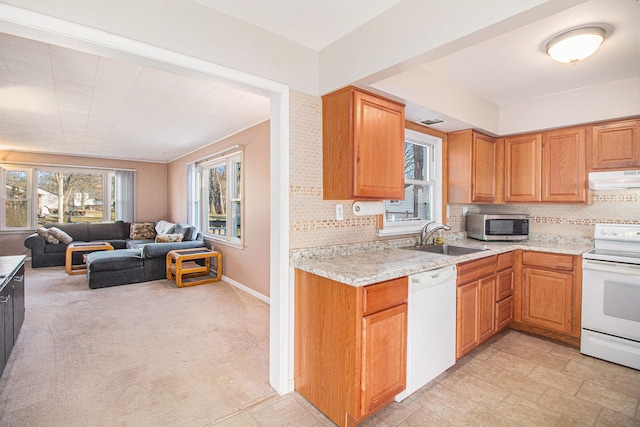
pixel 575 45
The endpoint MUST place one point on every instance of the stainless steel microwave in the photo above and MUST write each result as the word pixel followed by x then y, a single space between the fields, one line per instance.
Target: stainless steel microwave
pixel 497 227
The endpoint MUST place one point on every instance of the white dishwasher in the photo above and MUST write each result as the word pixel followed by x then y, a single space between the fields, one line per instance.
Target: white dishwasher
pixel 431 332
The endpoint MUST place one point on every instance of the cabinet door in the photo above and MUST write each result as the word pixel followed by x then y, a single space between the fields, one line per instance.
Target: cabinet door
pixel 384 357
pixel 523 168
pixel 616 145
pixel 466 318
pixel 6 313
pixel 504 284
pixel 378 148
pixel 547 299
pixel 564 173
pixel 486 308
pixel 504 313
pixel 483 181
pixel 18 302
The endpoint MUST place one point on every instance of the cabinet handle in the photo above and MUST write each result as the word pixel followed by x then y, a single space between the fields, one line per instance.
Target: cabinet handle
pixel 18 278
pixel 4 300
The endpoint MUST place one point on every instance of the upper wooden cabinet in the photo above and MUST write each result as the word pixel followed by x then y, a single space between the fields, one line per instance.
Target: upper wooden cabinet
pixel 615 145
pixel 363 146
pixel 546 167
pixel 474 168
pixel 522 168
pixel 564 172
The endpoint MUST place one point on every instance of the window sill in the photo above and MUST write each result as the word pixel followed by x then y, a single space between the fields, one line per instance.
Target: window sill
pixel 209 238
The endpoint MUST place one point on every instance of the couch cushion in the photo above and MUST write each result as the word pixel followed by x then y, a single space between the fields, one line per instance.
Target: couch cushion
pixel 169 238
pixel 48 237
pixel 189 232
pixel 54 249
pixel 142 230
pixel 77 231
pixel 164 227
pixel 108 231
pixel 60 235
pixel 137 244
pixel 114 260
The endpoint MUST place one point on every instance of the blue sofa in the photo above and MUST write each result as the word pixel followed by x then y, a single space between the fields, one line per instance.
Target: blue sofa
pixel 132 260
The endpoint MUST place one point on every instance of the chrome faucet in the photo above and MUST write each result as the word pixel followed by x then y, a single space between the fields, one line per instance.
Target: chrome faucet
pixel 426 233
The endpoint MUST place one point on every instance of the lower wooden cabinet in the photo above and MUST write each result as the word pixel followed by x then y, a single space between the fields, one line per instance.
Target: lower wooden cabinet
pixel 550 296
pixel 475 303
pixel 350 345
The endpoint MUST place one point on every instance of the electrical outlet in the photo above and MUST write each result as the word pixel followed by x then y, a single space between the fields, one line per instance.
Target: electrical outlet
pixel 465 209
pixel 339 212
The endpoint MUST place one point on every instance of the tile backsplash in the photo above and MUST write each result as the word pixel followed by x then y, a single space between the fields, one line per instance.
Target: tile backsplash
pixel 571 220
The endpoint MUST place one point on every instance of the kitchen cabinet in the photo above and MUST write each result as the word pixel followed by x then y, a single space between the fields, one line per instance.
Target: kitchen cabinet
pixel 474 167
pixel 564 170
pixel 350 345
pixel 523 159
pixel 550 296
pixel 475 303
pixel 546 167
pixel 363 146
pixel 615 145
pixel 505 278
pixel 11 304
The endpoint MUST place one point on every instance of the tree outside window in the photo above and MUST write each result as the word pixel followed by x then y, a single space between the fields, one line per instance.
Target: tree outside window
pixel 16 208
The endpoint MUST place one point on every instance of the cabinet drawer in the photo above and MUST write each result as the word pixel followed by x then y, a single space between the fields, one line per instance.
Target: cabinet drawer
pixel 507 260
pixel 384 295
pixel 547 261
pixel 475 270
pixel 504 287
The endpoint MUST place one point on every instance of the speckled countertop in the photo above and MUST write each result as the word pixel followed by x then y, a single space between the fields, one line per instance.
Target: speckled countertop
pixel 364 264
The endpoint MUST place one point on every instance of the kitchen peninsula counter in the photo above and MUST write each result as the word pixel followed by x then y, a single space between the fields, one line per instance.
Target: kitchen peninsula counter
pixel 368 263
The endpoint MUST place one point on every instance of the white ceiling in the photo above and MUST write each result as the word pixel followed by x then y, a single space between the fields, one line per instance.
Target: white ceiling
pixel 58 100
pixel 314 24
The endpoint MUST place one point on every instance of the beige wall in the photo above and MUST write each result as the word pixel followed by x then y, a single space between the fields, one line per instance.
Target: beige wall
pixel 151 180
pixel 250 265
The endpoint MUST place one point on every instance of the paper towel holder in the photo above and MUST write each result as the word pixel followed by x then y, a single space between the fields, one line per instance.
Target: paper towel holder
pixel 368 208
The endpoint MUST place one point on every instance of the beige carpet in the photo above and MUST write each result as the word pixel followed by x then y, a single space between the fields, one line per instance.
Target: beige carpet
pixel 134 355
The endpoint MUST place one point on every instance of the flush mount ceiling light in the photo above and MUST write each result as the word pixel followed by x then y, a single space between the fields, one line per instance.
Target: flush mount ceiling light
pixel 575 45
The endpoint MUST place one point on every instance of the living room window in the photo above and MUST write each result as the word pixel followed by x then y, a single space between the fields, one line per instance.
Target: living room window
pixel 219 199
pixel 423 187
pixel 35 195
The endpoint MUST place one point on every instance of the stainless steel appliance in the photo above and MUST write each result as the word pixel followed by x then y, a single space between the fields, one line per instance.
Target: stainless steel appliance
pixel 431 331
pixel 498 226
pixel 611 295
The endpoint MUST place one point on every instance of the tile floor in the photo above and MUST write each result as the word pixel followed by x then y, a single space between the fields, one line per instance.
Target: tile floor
pixel 513 380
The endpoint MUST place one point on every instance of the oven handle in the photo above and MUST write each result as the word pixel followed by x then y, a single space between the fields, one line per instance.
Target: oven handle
pixel 611 267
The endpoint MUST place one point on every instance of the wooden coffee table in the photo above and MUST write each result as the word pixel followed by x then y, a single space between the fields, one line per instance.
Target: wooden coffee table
pixel 85 247
pixel 178 271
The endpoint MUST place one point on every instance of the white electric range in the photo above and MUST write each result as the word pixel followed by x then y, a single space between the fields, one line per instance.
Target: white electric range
pixel 611 295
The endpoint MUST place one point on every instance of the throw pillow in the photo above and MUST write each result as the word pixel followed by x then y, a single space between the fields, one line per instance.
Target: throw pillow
pixel 142 231
pixel 49 238
pixel 60 235
pixel 187 230
pixel 169 238
pixel 164 227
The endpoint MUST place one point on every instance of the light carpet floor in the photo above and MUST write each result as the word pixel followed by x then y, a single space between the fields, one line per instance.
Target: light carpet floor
pixel 134 355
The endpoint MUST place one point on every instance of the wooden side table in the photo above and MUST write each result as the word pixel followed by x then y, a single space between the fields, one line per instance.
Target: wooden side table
pixel 85 247
pixel 176 270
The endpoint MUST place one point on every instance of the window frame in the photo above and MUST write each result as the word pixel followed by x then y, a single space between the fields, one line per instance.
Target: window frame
pixel 395 228
pixel 199 177
pixel 32 170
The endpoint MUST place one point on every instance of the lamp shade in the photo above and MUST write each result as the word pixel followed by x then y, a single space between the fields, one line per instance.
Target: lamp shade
pixel 575 45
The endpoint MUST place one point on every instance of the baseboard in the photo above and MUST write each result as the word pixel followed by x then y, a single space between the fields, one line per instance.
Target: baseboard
pixel 247 289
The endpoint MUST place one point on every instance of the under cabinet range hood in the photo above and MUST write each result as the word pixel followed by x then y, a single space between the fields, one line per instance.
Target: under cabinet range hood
pixel 614 180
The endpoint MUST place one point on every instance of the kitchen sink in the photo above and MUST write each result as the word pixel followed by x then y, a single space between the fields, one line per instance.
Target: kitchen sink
pixel 445 249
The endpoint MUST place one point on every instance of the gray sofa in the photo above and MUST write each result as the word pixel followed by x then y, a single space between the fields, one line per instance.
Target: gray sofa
pixel 132 260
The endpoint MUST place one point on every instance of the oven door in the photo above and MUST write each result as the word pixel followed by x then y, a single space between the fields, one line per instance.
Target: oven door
pixel 610 298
